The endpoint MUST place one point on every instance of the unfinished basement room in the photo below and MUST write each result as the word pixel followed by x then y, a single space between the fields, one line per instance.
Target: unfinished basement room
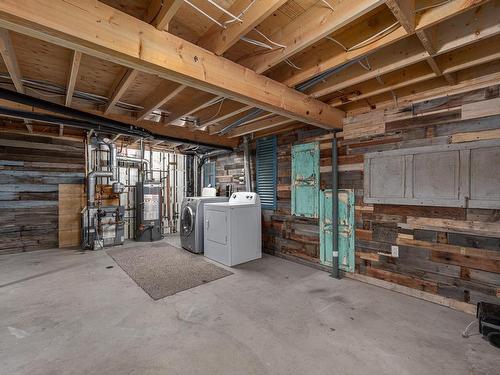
pixel 249 187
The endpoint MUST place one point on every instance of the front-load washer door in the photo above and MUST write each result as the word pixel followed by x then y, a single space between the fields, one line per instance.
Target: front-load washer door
pixel 187 221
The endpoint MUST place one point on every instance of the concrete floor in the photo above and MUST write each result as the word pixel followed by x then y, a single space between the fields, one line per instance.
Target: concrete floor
pixel 62 312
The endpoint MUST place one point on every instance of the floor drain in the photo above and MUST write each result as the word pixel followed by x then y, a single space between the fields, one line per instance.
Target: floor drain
pixel 108 267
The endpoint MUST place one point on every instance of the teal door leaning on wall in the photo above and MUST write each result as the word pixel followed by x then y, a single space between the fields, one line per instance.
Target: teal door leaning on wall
pixel 346 229
pixel 305 179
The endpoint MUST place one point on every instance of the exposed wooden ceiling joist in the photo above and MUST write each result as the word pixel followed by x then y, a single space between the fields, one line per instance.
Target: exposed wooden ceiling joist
pixel 424 20
pixel 73 75
pixel 119 87
pixel 161 12
pixel 307 29
pixel 81 25
pixel 10 60
pixel 410 51
pixel 166 91
pixel 404 11
pixel 260 125
pixel 220 40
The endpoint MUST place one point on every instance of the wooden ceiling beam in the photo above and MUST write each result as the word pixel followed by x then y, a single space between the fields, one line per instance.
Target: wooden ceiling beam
pixel 119 87
pixel 379 64
pixel 389 82
pixel 475 54
pixel 390 59
pixel 227 116
pixel 161 12
pixel 80 25
pixel 73 75
pixel 308 28
pixel 453 62
pixel 404 11
pixel 301 33
pixel 424 20
pixel 165 92
pixel 467 80
pixel 220 40
pixel 10 60
pixel 259 125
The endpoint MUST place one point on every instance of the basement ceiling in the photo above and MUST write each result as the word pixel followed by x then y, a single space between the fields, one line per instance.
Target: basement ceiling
pixel 369 55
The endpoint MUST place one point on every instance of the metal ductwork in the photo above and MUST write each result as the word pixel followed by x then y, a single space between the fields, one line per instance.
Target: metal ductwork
pixel 149 172
pixel 91 179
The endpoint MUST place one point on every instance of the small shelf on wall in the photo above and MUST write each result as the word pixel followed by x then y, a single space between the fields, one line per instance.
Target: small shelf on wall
pixel 455 175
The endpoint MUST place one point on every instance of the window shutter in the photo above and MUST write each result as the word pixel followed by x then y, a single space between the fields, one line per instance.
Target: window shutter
pixel 266 172
pixel 209 174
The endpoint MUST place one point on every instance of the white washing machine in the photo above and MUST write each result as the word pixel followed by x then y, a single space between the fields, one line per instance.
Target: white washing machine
pixel 233 230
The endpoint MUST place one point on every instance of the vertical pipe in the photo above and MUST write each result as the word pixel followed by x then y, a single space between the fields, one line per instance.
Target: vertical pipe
pixel 335 209
pixel 246 162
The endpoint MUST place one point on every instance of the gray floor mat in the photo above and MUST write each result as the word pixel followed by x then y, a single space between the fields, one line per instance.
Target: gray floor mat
pixel 166 270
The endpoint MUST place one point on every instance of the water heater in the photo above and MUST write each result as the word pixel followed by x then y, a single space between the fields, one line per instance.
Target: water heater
pixel 148 220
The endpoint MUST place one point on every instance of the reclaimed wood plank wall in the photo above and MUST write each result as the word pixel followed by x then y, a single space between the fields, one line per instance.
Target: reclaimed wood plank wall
pixel 462 264
pixel 31 169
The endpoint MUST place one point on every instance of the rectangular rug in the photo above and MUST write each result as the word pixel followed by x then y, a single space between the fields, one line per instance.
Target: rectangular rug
pixel 162 270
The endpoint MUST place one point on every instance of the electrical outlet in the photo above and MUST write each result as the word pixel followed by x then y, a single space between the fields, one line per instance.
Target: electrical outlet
pixel 395 251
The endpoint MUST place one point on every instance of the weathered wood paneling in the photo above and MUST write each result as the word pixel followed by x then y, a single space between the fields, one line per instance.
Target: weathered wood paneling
pixel 31 169
pixel 448 252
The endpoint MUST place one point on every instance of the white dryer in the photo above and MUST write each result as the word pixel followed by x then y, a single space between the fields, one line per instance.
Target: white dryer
pixel 233 229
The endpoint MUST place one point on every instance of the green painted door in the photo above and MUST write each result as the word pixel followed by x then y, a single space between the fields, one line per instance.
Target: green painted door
pixel 346 229
pixel 305 179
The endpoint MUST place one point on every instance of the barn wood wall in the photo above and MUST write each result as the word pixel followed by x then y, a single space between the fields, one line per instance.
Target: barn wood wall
pixel 31 169
pixel 464 266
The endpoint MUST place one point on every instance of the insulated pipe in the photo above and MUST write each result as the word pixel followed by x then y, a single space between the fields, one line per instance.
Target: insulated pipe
pixel 83 120
pixel 335 210
pixel 91 185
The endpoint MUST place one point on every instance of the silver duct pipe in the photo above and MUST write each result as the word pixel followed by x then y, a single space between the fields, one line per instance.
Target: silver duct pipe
pixel 130 159
pixel 113 161
pixel 247 164
pixel 91 185
pixel 114 157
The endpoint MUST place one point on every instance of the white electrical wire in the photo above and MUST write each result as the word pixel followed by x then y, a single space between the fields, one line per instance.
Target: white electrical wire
pixel 367 66
pixel 242 13
pixel 269 40
pixel 375 37
pixel 338 43
pixel 256 42
pixel 328 5
pixel 205 14
pixel 235 18
pixel 292 64
pixel 365 42
pixel 261 44
pixel 218 111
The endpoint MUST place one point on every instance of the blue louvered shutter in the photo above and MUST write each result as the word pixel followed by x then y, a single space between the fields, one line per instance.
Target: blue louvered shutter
pixel 266 172
pixel 209 174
